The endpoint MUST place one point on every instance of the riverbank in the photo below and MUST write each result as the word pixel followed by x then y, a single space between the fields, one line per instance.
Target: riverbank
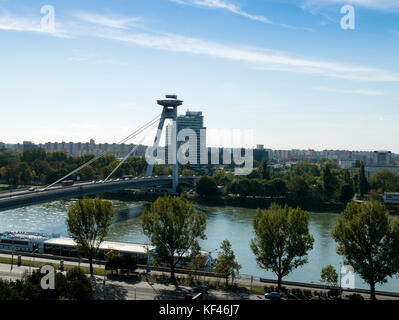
pixel 242 202
pixel 230 201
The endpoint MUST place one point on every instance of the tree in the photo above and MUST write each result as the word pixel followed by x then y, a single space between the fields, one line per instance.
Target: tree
pixel 384 181
pixel 173 227
pixel 78 286
pixel 75 286
pixel 298 186
pixel 282 239
pixel 346 176
pixel 363 184
pixel 206 186
pixel 264 171
pixel 88 224
pixel 368 241
pixel 226 264
pixel 329 275
pixel 346 193
pixel 329 182
pixel 277 188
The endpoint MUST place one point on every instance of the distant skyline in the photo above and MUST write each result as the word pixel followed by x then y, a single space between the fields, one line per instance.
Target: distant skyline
pixel 285 69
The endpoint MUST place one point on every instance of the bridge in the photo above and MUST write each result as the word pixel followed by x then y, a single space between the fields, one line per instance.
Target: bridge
pixel 56 191
pixel 25 197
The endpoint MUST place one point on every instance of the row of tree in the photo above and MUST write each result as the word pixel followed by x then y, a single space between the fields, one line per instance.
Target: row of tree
pixel 74 285
pixel 36 166
pixel 304 181
pixel 367 238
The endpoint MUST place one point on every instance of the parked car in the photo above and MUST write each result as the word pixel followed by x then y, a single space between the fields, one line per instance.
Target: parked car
pixel 292 296
pixel 188 296
pixel 273 295
pixel 201 289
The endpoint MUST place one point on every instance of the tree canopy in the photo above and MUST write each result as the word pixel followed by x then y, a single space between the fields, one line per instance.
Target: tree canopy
pixel 174 228
pixel 282 239
pixel 88 224
pixel 369 242
pixel 226 264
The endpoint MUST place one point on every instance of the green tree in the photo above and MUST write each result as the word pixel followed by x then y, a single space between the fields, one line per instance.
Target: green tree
pixel 206 186
pixel 88 224
pixel 329 182
pixel 346 193
pixel 368 241
pixel 78 285
pixel 282 239
pixel 226 264
pixel 173 227
pixel 29 156
pixel 264 171
pixel 329 275
pixel 363 183
pixel 298 186
pixel 384 181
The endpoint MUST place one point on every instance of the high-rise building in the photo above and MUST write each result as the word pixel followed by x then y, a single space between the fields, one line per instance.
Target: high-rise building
pixel 193 120
pixel 381 158
pixel 28 145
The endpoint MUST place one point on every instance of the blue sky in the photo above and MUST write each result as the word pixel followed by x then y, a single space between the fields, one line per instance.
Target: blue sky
pixel 285 69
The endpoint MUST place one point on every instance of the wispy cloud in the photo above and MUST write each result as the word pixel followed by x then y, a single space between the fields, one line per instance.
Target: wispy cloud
pixel 9 22
pixel 259 58
pixel 111 22
pixel 364 92
pixel 93 58
pixel 371 4
pixel 223 4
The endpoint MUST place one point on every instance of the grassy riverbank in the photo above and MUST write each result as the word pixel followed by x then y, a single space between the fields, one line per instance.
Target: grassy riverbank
pixel 242 202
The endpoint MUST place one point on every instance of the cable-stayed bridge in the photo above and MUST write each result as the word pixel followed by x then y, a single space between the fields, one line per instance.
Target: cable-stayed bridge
pixel 56 191
pixel 17 199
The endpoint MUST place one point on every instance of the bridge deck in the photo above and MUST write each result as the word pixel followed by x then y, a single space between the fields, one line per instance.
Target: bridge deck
pixel 22 198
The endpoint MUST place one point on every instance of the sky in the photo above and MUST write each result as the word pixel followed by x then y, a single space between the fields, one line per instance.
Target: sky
pixel 285 69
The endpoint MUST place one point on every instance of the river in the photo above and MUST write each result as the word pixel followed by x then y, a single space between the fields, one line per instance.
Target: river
pixel 232 223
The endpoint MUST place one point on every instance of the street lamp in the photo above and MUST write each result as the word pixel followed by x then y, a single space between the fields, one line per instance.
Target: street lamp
pixel 31 260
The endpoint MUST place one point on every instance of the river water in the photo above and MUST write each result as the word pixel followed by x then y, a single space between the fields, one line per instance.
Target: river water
pixel 234 224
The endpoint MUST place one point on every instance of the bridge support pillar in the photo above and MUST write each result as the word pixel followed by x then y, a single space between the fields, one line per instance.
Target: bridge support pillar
pixel 170 104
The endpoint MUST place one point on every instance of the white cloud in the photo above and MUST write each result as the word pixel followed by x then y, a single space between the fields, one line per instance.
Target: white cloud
pixel 365 92
pixel 16 23
pixel 261 59
pixel 372 4
pixel 223 4
pixel 118 23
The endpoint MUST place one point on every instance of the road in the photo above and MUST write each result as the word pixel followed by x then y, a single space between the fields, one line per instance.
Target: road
pixel 134 290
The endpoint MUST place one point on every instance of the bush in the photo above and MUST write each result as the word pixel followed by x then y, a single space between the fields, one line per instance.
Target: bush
pixel 78 285
pixel 355 296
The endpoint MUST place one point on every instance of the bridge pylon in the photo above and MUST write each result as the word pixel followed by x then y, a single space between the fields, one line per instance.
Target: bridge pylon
pixel 169 104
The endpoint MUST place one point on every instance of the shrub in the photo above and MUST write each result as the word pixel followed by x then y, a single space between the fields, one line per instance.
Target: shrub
pixel 355 296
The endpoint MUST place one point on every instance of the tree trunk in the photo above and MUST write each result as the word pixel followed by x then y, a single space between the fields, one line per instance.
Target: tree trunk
pixel 372 291
pixel 279 280
pixel 172 273
pixel 227 281
pixel 91 266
